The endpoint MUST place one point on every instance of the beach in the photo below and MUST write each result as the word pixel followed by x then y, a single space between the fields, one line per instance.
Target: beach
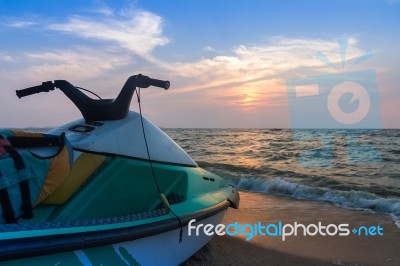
pixel 288 176
pixel 301 250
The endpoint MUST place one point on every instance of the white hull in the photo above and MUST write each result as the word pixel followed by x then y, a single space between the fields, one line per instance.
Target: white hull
pixel 161 249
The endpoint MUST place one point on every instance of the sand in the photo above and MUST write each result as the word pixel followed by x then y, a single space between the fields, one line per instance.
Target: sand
pixel 301 250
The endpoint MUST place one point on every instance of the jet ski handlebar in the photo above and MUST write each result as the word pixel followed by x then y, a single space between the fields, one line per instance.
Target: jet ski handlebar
pixel 45 87
pixel 157 83
pixel 103 109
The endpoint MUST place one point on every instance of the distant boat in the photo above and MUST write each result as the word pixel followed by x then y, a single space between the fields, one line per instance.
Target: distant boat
pixel 275 129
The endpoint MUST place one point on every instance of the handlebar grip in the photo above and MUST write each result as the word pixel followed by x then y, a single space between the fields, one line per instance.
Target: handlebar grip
pixel 160 83
pixel 45 87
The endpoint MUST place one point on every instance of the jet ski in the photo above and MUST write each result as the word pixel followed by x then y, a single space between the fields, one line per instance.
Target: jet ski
pixel 110 188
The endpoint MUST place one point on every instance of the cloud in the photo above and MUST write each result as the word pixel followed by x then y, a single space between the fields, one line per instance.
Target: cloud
pixel 104 10
pixel 76 65
pixel 246 78
pixel 6 58
pixel 21 24
pixel 246 64
pixel 140 34
pixel 252 78
pixel 209 49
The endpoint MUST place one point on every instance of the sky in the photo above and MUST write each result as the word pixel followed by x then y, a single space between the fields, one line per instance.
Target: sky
pixel 230 63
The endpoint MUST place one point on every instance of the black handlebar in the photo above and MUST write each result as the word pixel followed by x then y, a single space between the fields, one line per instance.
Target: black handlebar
pixel 45 87
pixel 160 83
pixel 103 109
pixel 145 81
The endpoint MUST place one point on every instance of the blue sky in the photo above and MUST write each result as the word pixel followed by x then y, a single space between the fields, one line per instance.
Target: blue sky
pixel 228 61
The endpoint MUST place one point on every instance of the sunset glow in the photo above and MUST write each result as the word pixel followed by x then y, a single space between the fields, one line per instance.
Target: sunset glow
pixel 223 68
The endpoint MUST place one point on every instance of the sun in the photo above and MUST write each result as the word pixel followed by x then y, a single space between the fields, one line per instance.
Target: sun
pixel 253 95
pixel 248 99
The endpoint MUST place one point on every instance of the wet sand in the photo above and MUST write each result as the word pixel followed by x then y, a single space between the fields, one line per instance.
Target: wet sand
pixel 301 250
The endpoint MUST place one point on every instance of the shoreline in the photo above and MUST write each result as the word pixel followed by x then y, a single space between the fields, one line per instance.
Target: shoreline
pixel 301 250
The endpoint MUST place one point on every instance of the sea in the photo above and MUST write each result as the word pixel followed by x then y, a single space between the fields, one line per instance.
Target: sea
pixel 350 168
pixel 354 169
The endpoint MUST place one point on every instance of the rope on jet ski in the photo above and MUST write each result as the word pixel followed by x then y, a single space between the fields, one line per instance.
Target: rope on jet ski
pixel 88 91
pixel 163 199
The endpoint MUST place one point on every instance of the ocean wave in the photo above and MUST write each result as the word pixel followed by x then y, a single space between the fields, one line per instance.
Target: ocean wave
pixel 394 151
pixel 352 198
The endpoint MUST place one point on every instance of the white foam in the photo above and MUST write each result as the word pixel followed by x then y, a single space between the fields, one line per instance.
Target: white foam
pixel 352 198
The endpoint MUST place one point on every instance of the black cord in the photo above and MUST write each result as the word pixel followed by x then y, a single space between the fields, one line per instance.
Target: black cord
pixel 89 92
pixel 152 168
